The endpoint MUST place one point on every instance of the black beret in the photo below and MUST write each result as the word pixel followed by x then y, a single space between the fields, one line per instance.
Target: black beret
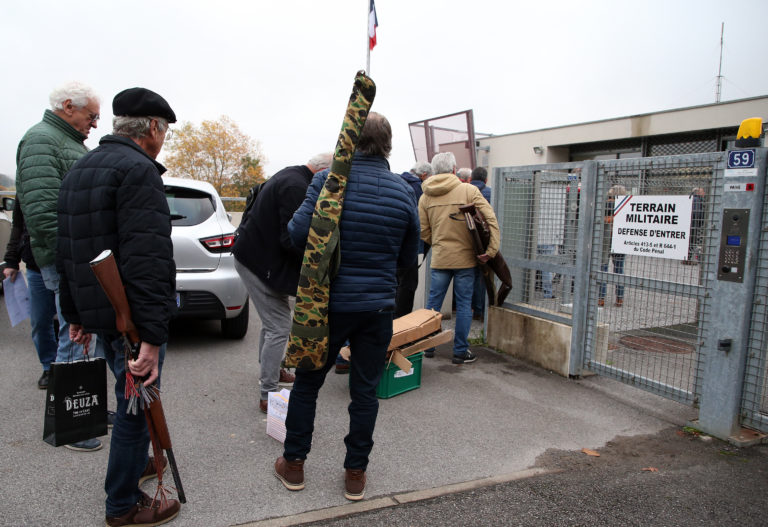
pixel 141 102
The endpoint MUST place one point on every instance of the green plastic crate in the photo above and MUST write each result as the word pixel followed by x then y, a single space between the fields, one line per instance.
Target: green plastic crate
pixel 395 381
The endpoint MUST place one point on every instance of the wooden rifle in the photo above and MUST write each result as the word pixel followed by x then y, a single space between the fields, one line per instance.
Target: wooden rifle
pixel 105 268
pixel 481 235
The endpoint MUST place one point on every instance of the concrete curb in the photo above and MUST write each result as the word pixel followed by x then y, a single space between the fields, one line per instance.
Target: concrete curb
pixel 395 500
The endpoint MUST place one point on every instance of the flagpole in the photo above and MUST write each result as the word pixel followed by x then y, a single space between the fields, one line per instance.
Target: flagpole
pixel 367 39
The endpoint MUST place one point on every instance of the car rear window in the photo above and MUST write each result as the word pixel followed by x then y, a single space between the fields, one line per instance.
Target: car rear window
pixel 188 206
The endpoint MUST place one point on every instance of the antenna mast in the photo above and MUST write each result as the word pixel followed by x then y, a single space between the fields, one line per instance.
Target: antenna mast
pixel 718 89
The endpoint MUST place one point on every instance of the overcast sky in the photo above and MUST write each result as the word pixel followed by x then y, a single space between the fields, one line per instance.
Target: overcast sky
pixel 284 70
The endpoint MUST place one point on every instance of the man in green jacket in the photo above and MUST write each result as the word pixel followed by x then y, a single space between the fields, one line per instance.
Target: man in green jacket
pixel 45 154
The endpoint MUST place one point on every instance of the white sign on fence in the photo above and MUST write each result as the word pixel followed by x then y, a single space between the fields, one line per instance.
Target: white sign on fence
pixel 657 226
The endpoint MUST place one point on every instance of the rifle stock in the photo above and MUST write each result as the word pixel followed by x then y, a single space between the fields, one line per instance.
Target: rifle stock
pixel 105 268
pixel 480 233
pixel 469 218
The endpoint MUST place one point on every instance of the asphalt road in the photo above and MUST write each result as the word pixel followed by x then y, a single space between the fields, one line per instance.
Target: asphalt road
pixel 497 442
pixel 670 478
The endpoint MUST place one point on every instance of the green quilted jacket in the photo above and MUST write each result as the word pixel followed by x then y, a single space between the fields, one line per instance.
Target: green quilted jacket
pixel 46 152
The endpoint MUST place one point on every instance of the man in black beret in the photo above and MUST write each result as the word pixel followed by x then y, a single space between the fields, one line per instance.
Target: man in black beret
pixel 113 198
pixel 140 102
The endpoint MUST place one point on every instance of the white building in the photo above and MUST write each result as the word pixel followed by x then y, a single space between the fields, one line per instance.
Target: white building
pixel 706 128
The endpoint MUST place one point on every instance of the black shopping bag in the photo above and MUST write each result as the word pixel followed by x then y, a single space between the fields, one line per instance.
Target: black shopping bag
pixel 76 402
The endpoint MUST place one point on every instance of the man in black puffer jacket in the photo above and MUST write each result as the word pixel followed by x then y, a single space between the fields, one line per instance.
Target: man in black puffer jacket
pixel 113 198
pixel 270 265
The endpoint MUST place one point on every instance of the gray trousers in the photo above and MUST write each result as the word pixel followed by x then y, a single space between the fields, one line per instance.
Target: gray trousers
pixel 274 310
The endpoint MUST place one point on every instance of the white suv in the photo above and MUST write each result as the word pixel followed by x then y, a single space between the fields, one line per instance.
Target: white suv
pixel 207 284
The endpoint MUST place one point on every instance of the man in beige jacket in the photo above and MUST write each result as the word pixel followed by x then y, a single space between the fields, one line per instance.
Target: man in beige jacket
pixel 453 255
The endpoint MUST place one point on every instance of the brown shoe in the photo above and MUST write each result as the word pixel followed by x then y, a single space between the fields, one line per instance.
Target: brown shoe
pixel 600 302
pixel 263 406
pixel 290 473
pixel 619 302
pixel 354 484
pixel 146 512
pixel 150 471
pixel 286 378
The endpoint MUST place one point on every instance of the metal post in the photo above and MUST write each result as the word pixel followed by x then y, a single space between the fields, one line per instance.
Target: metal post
pixel 581 283
pixel 726 334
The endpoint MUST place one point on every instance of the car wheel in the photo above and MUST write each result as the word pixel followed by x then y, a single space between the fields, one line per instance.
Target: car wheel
pixel 236 328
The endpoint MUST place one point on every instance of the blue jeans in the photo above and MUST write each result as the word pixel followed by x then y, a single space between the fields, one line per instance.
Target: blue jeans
pixel 463 286
pixel 618 268
pixel 128 454
pixel 369 335
pixel 42 308
pixel 67 350
pixel 546 277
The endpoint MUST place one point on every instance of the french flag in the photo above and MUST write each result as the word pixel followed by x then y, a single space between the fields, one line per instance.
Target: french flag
pixel 373 23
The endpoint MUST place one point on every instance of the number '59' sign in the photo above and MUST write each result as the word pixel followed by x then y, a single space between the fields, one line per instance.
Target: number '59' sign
pixel 741 158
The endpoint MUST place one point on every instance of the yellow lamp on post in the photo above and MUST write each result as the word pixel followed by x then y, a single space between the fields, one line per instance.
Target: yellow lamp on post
pixel 749 133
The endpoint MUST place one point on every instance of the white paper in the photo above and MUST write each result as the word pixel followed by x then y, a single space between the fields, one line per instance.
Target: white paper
pixel 277 410
pixel 16 299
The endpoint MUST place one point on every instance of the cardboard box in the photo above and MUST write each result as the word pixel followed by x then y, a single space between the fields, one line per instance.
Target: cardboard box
pixel 412 333
pixel 398 356
pixel 414 326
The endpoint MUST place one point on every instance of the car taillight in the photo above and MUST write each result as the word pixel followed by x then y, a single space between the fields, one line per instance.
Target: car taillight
pixel 219 244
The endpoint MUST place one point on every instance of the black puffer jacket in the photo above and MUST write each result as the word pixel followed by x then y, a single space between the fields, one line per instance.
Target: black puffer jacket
pixel 263 245
pixel 113 198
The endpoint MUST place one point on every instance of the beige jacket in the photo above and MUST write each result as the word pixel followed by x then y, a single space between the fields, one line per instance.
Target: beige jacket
pixel 449 237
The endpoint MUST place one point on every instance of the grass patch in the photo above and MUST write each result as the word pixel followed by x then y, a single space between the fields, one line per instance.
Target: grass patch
pixel 478 341
pixel 691 431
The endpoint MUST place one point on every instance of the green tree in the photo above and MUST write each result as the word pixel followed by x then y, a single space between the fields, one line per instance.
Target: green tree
pixel 217 152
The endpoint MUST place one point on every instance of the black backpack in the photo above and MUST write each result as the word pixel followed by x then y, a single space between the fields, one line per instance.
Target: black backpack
pixel 249 201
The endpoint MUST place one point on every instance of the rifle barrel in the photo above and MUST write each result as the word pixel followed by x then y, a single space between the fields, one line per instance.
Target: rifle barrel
pixel 176 477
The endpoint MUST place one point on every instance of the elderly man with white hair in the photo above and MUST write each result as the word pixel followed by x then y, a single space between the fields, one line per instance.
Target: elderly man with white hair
pixel 464 175
pixel 47 152
pixel 270 265
pixel 453 255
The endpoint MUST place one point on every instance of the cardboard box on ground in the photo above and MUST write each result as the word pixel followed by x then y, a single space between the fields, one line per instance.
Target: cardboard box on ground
pixel 412 333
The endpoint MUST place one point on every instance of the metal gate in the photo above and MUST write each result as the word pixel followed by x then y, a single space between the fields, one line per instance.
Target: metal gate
pixel 646 315
pixel 678 326
pixel 636 318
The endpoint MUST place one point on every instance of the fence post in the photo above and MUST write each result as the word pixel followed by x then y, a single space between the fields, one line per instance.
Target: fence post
pixel 730 296
pixel 581 280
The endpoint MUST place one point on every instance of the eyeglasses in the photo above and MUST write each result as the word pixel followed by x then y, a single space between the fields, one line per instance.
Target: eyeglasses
pixel 92 117
pixel 168 134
